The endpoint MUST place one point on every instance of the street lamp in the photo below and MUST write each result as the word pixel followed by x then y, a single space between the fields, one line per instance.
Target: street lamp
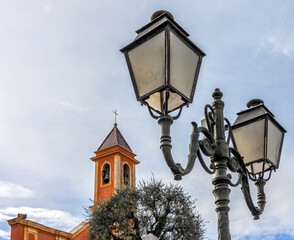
pixel 164 66
pixel 258 138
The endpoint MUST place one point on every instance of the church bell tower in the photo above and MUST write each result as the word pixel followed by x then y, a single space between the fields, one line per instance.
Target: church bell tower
pixel 114 166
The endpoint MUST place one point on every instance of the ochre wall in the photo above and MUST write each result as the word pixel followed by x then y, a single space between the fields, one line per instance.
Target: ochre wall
pixel 45 236
pixel 17 232
pixel 22 229
pixel 131 164
pixel 83 234
pixel 21 232
pixel 105 190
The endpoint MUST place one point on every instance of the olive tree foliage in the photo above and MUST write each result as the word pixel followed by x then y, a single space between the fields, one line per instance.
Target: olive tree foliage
pixel 115 219
pixel 167 212
pixel 164 210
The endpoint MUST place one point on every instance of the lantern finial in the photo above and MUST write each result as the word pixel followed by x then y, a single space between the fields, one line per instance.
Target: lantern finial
pixel 160 12
pixel 254 102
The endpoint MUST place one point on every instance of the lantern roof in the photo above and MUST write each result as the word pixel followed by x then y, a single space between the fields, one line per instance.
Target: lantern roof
pixel 255 110
pixel 114 138
pixel 158 20
pixel 252 112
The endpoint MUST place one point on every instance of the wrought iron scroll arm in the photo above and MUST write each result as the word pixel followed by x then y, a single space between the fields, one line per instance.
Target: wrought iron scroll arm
pixel 209 117
pixel 165 122
pixel 157 117
pixel 207 145
pixel 150 111
pixel 202 162
pixel 239 167
pixel 229 128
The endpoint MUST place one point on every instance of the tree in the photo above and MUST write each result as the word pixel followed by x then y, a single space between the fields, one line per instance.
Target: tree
pixel 164 210
pixel 115 219
pixel 167 212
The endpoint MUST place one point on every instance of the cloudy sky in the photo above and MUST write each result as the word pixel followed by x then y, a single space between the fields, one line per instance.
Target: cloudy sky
pixel 62 75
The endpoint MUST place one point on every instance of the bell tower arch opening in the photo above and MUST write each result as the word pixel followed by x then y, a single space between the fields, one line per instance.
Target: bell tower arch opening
pixel 126 174
pixel 105 174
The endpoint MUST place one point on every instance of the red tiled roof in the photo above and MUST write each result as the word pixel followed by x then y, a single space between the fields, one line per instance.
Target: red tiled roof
pixel 114 138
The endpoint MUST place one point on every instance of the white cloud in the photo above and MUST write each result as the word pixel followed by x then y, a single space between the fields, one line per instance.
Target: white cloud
pixel 4 235
pixel 282 43
pixel 73 107
pixel 10 190
pixel 52 218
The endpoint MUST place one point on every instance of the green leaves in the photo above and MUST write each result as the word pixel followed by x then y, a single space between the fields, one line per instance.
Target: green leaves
pixel 115 218
pixel 168 212
pixel 164 210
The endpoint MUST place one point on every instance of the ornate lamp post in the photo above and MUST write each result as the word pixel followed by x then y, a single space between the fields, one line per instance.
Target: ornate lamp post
pixel 164 66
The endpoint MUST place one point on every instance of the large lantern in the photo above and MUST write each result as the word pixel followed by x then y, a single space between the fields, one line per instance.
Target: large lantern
pixel 258 138
pixel 164 64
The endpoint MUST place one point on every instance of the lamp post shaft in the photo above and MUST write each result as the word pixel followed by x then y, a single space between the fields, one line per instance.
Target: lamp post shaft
pixel 221 181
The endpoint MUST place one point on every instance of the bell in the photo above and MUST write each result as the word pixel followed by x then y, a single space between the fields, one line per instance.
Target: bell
pixel 106 177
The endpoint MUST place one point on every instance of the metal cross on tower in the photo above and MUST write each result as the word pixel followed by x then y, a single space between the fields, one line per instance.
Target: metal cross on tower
pixel 115 114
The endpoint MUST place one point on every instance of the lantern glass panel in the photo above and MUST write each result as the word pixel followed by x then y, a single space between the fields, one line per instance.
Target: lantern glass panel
pixel 258 167
pixel 183 65
pixel 157 100
pixel 174 101
pixel 148 64
pixel 250 141
pixel 274 143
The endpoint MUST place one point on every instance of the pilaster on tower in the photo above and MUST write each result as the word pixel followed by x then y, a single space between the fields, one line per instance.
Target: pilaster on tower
pixel 114 165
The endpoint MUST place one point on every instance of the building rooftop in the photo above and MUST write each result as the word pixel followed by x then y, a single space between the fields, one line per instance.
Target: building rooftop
pixel 114 138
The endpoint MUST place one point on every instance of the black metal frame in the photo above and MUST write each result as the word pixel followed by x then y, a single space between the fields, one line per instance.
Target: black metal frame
pixel 167 26
pixel 268 116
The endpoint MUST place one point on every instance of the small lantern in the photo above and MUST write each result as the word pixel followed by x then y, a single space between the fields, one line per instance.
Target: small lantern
pixel 164 64
pixel 258 138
